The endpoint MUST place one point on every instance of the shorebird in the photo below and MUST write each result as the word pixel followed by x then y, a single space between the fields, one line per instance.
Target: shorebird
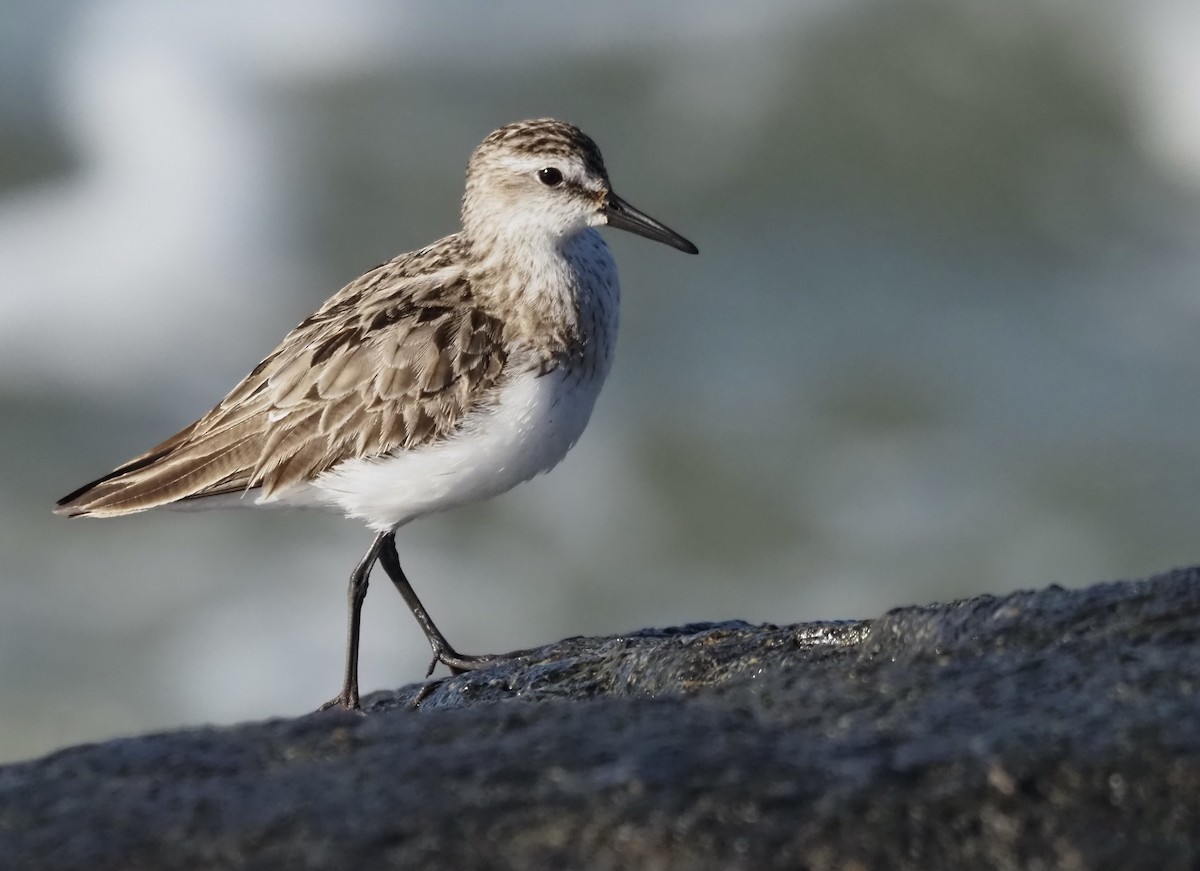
pixel 445 376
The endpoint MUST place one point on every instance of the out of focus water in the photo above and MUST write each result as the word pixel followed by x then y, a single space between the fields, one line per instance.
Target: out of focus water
pixel 941 338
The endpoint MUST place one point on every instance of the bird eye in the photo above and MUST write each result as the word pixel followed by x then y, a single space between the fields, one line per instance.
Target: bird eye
pixel 550 177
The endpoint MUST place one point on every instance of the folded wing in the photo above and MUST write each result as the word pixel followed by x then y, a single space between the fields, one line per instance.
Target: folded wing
pixel 391 362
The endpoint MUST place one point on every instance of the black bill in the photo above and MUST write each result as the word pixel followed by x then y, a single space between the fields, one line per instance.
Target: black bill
pixel 625 217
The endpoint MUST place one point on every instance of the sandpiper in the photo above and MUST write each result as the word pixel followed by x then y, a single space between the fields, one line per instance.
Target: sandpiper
pixel 444 376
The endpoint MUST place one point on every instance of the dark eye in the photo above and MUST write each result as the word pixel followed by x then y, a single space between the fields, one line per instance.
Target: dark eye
pixel 550 177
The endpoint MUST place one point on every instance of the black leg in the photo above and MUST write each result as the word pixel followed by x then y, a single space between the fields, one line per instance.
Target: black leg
pixel 348 698
pixel 442 651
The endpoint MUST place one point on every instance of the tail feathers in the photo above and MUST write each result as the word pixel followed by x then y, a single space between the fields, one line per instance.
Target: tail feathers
pixel 180 468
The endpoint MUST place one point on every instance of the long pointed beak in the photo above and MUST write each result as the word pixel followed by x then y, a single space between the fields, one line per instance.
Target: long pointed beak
pixel 625 217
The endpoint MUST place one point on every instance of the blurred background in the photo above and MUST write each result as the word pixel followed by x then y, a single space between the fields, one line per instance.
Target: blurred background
pixel 943 337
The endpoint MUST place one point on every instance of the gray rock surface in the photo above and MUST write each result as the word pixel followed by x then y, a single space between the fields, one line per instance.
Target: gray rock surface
pixel 1047 729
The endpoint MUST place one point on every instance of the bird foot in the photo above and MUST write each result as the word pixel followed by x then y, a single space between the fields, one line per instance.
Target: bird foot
pixel 345 700
pixel 459 663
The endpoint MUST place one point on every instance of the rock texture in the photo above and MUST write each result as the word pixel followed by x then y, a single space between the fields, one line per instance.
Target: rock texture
pixel 1049 729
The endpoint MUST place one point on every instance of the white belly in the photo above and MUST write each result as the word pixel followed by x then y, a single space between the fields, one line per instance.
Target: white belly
pixel 529 429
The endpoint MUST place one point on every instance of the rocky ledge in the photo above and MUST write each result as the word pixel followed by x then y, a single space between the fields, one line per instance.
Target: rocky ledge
pixel 1048 729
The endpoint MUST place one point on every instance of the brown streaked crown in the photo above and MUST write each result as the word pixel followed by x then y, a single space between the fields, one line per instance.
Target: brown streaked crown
pixel 548 137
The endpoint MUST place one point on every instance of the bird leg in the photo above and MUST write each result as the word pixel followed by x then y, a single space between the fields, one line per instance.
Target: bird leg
pixel 442 651
pixel 348 697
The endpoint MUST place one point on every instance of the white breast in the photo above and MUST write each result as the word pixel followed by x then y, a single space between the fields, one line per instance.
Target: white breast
pixel 527 431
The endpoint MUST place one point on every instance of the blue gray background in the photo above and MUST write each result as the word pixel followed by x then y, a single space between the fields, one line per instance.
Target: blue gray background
pixel 942 337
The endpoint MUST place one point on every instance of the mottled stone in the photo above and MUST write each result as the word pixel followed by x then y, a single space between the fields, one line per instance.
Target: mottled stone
pixel 1053 729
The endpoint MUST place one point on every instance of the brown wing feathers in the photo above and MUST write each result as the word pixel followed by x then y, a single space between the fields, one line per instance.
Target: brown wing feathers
pixel 388 363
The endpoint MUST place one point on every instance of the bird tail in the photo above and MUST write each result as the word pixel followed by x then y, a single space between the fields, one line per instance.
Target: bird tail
pixel 180 468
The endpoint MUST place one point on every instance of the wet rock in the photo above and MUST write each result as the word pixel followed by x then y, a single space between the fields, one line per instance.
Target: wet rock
pixel 1053 729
